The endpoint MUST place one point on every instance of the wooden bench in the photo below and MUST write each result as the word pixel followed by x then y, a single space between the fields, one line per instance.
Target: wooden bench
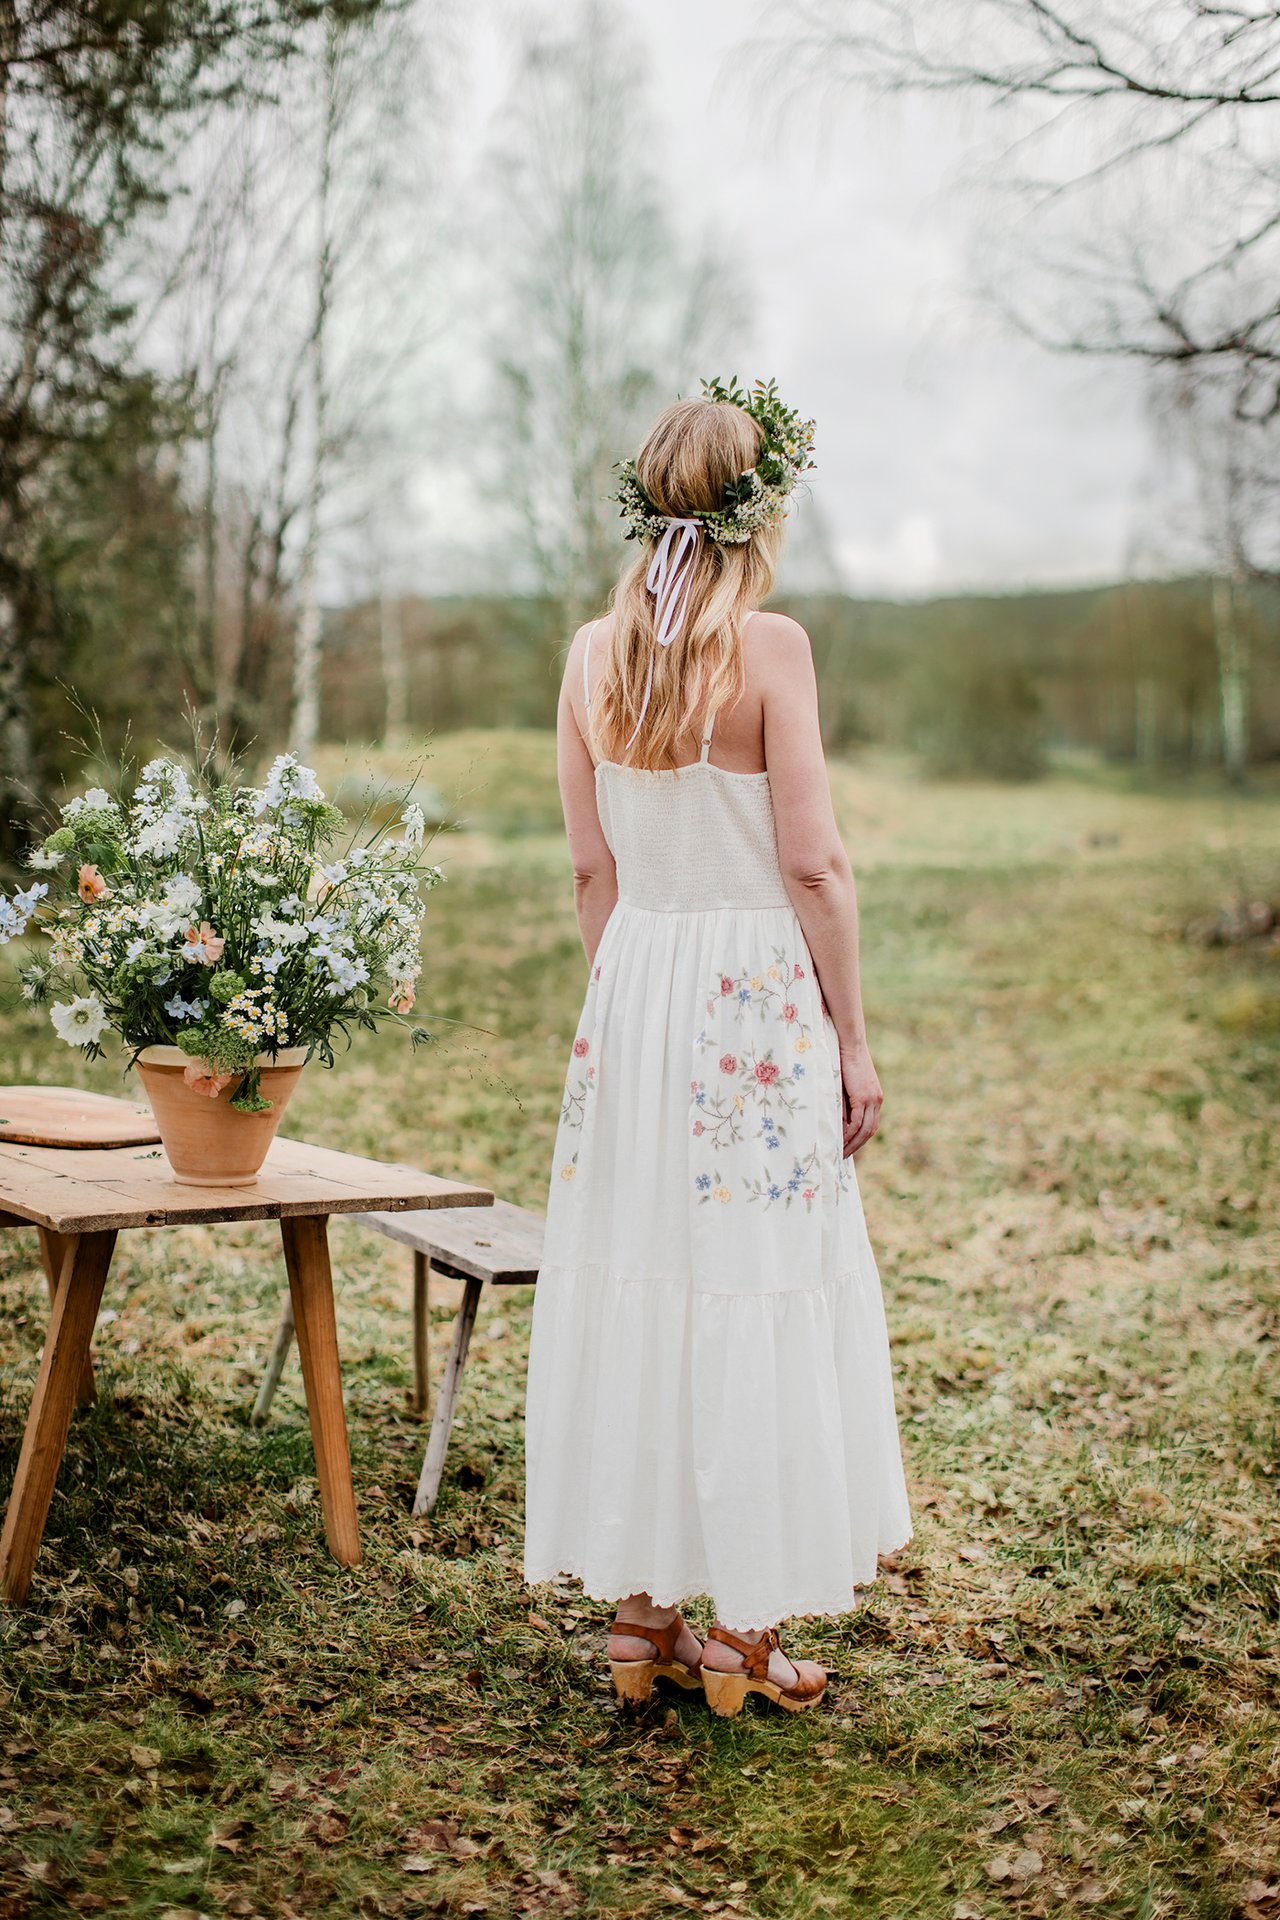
pixel 501 1244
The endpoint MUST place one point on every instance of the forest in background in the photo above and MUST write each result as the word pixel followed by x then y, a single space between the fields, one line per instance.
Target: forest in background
pixel 975 683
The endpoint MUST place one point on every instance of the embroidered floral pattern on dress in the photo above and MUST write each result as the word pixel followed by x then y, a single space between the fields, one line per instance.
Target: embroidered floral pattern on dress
pixel 755 1090
pixel 580 1081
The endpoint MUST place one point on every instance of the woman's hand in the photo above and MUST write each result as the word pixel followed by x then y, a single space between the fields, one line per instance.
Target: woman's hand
pixel 863 1097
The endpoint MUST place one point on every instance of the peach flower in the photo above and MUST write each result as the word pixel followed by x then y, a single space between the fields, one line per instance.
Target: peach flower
pixel 202 1078
pixel 90 883
pixel 203 945
pixel 402 999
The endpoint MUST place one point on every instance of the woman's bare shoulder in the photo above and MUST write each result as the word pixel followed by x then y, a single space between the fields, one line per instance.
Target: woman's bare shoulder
pixel 774 643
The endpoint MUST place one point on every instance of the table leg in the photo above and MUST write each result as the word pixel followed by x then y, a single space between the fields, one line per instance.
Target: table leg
pixel 306 1255
pixel 442 1425
pixel 66 1346
pixel 54 1248
pixel 275 1363
pixel 421 1332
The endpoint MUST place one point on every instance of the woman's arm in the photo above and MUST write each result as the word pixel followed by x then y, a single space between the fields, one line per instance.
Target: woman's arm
pixel 595 877
pixel 815 866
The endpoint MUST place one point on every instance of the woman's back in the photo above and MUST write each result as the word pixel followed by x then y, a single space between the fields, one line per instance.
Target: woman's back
pixel 698 837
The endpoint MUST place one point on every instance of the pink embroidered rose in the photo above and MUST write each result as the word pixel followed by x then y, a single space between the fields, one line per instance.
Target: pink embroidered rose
pixel 90 884
pixel 766 1072
pixel 810 1193
pixel 728 1063
pixel 789 1011
pixel 698 1128
pixel 726 984
pixel 202 1078
pixel 203 945
pixel 401 999
pixel 581 1048
pixel 595 974
pixel 797 973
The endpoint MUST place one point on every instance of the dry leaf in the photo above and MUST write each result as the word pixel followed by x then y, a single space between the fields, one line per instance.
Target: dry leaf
pixel 145 1757
pixel 193 1865
pixel 1259 1892
pixel 999 1867
pixel 1027 1864
pixel 417 1863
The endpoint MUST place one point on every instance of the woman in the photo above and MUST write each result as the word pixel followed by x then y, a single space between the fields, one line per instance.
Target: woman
pixel 710 1403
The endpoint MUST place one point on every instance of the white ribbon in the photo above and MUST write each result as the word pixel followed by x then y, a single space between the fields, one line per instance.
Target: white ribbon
pixel 669 580
pixel 670 577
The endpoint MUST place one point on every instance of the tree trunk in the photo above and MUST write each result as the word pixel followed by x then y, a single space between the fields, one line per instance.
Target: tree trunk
pixel 305 726
pixel 395 667
pixel 19 793
pixel 1231 641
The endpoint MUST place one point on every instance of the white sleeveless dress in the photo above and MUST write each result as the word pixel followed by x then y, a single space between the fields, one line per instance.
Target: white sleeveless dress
pixel 710 1399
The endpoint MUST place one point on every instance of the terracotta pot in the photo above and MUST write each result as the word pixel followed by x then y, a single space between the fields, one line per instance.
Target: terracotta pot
pixel 206 1142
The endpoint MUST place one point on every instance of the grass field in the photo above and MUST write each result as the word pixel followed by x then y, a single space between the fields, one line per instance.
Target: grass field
pixel 1063 1696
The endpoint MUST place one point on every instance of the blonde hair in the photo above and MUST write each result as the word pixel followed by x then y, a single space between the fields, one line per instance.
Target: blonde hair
pixel 694 450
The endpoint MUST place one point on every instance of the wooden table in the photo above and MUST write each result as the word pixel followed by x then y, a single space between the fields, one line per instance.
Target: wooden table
pixel 79 1199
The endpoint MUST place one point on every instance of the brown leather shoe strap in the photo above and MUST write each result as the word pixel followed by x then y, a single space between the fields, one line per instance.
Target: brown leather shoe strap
pixel 661 1639
pixel 755 1653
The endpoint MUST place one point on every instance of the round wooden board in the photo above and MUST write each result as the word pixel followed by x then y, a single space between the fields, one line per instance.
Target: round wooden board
pixel 69 1117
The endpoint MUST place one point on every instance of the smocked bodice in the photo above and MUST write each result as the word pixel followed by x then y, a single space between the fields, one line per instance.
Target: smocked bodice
pixel 692 840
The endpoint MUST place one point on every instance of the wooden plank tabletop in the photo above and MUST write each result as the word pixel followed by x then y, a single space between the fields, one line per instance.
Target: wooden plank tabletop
pixel 70 1117
pixel 91 1190
pixel 503 1244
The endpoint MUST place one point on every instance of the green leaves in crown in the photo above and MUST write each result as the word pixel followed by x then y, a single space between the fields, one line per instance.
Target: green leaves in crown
pixel 755 497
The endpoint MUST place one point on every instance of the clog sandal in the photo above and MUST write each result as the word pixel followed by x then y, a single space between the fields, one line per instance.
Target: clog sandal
pixel 633 1679
pixel 727 1691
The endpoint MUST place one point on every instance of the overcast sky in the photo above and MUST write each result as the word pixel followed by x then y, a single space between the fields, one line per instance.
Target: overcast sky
pixel 951 454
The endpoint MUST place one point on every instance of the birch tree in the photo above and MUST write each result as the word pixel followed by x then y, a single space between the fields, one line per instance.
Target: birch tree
pixel 605 306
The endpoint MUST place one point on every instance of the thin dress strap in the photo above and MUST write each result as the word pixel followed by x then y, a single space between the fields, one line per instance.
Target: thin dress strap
pixel 706 738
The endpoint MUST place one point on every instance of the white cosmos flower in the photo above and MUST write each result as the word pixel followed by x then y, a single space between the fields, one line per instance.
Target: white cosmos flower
pixel 43 859
pixel 79 1022
pixel 182 893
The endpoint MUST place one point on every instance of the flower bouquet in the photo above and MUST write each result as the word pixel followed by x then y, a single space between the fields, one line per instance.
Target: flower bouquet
pixel 214 928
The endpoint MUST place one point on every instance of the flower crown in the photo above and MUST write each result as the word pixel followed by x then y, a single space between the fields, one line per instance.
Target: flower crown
pixel 755 497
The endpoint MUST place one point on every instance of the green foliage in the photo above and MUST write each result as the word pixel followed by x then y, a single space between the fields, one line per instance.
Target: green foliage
pixel 974 715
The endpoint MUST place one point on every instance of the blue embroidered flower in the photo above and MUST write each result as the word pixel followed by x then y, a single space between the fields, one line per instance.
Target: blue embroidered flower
pixel 775 1192
pixel 744 996
pixel 797 1072
pixel 703 1182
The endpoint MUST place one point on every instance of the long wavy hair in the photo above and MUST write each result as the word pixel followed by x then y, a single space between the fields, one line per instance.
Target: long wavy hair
pixel 693 451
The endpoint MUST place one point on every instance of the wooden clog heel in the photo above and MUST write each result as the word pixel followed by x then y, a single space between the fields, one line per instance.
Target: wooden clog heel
pixel 633 1679
pixel 726 1692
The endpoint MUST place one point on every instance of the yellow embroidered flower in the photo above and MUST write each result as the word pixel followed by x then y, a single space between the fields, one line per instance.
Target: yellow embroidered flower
pixel 722 1194
pixel 567 1173
pixel 756 983
pixel 774 974
pixel 802 1045
pixel 737 1103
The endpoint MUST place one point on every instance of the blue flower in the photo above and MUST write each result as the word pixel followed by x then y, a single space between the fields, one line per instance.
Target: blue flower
pixel 775 1192
pixel 700 1097
pixel 744 994
pixel 702 1182
pixel 771 1140
pixel 793 1183
pixel 180 1009
pixel 797 1072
